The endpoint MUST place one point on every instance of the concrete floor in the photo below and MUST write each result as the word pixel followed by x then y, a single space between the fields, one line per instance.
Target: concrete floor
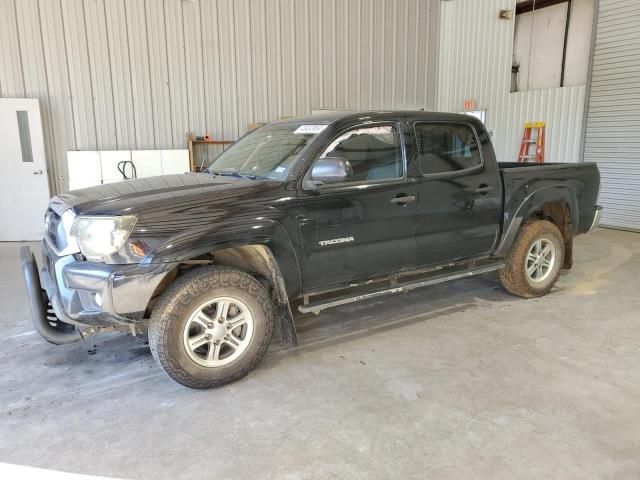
pixel 456 381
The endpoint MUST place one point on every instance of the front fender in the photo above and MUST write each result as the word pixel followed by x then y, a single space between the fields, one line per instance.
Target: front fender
pixel 203 239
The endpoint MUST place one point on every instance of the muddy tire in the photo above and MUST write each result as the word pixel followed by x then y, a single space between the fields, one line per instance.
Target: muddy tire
pixel 212 326
pixel 534 263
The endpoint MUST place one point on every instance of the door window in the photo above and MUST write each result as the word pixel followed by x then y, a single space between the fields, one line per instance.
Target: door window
pixel 374 153
pixel 444 148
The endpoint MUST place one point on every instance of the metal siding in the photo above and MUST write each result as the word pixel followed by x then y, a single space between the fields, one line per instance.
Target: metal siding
pixel 11 79
pixel 613 115
pixel 121 84
pixel 159 71
pixel 59 91
pixel 274 59
pixel 101 75
pixel 192 31
pixel 258 58
pixel 178 114
pixel 287 34
pixel 212 68
pixel 34 72
pixel 475 63
pixel 139 68
pixel 242 36
pixel 140 74
pixel 228 70
pixel 82 101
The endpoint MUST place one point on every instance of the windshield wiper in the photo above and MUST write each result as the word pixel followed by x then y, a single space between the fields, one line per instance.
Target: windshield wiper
pixel 233 173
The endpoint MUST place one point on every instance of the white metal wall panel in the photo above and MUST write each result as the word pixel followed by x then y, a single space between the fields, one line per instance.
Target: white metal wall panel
pixel 228 92
pixel 179 117
pixel 82 100
pixel 61 125
pixel 143 102
pixel 11 79
pixel 140 74
pixel 613 115
pixel 121 80
pixel 159 80
pixel 34 71
pixel 192 32
pixel 101 74
pixel 475 63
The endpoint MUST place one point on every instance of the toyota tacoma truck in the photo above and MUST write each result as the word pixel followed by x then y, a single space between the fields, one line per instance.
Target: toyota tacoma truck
pixel 310 213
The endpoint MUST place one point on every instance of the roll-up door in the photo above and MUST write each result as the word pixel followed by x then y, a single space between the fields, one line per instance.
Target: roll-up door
pixel 612 136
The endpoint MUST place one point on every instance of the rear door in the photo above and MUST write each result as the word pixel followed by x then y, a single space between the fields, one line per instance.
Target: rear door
pixel 365 226
pixel 459 205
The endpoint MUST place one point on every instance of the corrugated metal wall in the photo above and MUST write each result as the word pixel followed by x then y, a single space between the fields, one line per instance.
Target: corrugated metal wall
pixel 475 63
pixel 613 116
pixel 139 74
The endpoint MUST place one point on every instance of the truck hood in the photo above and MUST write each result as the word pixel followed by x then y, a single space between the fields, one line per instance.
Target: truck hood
pixel 141 194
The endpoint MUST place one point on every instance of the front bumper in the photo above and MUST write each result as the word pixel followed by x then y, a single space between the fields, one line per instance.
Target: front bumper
pixel 97 294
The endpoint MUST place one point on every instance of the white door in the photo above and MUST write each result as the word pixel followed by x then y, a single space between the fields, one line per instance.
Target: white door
pixel 24 187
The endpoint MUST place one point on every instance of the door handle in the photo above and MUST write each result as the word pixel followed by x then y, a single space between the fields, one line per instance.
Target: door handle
pixel 403 200
pixel 302 220
pixel 38 172
pixel 484 189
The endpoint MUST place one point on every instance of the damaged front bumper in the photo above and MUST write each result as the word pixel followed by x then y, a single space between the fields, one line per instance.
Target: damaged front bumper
pixel 94 297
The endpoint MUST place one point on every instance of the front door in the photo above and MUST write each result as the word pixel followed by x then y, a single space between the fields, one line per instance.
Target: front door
pixel 24 188
pixel 364 226
pixel 459 194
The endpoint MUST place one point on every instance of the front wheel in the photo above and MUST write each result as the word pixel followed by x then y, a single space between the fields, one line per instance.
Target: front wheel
pixel 211 327
pixel 533 265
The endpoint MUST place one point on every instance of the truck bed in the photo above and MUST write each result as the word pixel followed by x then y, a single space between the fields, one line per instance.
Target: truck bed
pixel 580 180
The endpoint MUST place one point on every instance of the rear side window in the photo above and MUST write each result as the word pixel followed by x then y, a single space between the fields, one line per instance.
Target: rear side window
pixel 446 147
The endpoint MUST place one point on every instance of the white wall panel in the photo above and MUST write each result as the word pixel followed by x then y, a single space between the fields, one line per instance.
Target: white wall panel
pixel 177 83
pixel 11 78
pixel 82 99
pixel 195 88
pixel 121 79
pixel 159 75
pixel 61 125
pixel 101 74
pixel 140 71
pixel 475 63
pixel 140 74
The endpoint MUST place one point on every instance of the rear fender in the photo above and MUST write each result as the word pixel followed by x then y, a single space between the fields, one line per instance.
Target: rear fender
pixel 527 202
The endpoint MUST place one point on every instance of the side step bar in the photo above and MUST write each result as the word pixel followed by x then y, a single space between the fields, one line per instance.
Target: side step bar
pixel 317 307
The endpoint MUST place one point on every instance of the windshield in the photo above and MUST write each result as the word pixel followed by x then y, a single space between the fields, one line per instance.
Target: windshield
pixel 268 152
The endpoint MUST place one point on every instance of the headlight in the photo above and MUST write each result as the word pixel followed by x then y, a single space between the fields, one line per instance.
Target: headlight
pixel 99 237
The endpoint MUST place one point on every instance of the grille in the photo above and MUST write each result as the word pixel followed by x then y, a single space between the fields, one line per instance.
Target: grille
pixel 52 222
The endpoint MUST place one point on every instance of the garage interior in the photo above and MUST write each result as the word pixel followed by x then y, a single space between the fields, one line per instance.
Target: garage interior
pixel 459 380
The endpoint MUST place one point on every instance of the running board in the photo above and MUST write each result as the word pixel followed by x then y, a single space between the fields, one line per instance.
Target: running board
pixel 317 307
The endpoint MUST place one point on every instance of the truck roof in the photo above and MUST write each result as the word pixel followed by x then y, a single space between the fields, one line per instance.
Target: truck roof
pixel 341 116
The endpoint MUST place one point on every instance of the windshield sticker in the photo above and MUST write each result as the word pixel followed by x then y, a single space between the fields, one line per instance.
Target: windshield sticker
pixel 280 169
pixel 310 129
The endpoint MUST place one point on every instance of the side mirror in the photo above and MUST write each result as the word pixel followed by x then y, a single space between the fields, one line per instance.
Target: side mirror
pixel 331 170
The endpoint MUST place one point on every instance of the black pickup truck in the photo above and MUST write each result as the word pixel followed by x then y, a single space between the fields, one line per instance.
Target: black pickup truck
pixel 311 212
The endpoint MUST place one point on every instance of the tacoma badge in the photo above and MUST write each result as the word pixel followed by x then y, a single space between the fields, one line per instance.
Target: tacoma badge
pixel 333 241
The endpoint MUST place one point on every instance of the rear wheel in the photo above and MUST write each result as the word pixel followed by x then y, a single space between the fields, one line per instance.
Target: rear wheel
pixel 534 263
pixel 211 327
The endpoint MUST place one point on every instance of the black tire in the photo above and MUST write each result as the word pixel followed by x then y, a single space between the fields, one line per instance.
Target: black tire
pixel 183 297
pixel 514 276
